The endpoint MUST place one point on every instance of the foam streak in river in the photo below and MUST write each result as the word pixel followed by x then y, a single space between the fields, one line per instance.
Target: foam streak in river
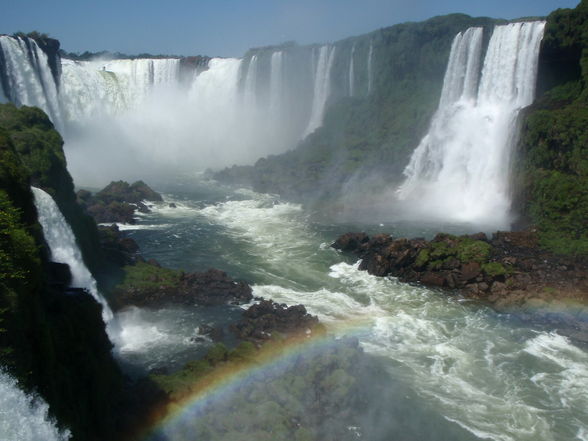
pixel 461 169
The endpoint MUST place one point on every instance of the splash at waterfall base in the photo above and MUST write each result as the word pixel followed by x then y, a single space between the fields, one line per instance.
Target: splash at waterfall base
pixel 508 271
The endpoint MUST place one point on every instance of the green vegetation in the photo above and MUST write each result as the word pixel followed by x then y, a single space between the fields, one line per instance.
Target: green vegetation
pixel 40 149
pixel 145 276
pixel 446 248
pixel 52 342
pixel 553 168
pixel 494 269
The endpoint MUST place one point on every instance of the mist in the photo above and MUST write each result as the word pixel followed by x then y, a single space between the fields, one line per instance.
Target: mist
pixel 130 119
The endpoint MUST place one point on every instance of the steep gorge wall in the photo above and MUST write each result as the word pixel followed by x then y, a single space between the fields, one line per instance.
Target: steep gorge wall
pixel 53 342
pixel 367 135
pixel 40 148
pixel 552 170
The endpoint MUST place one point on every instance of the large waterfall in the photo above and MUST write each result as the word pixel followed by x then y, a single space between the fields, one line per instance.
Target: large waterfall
pixel 461 169
pixel 322 86
pixel 64 249
pixel 27 77
pixel 24 417
pixel 165 114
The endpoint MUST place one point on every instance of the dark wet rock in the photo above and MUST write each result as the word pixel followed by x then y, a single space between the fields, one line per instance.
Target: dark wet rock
pixel 118 201
pixel 351 242
pixel 120 212
pixel 118 248
pixel 142 208
pixel 172 205
pixel 265 319
pixel 121 191
pixel 508 271
pixel 149 285
pixel 59 274
pixel 212 332
pixel 214 287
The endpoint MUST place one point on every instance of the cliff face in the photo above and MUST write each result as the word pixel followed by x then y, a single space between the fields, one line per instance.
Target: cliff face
pixel 371 134
pixel 552 169
pixel 40 148
pixel 55 343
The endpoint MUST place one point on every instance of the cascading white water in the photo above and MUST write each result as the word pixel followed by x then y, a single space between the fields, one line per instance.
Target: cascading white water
pixel 322 87
pixel 250 87
pixel 276 83
pixel 370 67
pixel 29 76
pixel 132 118
pixel 460 170
pixel 64 249
pixel 352 71
pixel 24 417
pixel 99 88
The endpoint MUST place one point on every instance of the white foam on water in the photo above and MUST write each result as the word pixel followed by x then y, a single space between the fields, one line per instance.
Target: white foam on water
pixel 144 331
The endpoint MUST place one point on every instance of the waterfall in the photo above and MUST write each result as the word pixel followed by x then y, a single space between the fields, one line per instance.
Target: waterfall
pixel 351 71
pixel 322 88
pixel 98 88
pixel 28 78
pixel 250 86
pixel 461 169
pixel 64 249
pixel 24 417
pixel 370 67
pixel 276 83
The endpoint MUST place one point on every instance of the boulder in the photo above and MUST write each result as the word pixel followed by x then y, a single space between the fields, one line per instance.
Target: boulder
pixel 266 318
pixel 350 242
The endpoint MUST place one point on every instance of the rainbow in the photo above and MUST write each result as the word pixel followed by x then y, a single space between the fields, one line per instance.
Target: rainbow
pixel 227 380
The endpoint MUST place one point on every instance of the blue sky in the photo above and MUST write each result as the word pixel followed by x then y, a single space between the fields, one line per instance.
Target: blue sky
pixel 230 27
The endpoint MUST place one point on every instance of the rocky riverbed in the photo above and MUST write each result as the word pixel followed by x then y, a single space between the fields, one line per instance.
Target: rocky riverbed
pixel 509 271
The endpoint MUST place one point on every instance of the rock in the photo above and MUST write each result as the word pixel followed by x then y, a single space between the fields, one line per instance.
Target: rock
pixel 432 279
pixel 120 212
pixel 214 333
pixel 59 274
pixel 118 248
pixel 350 242
pixel 470 270
pixel 142 207
pixel 266 318
pixel 172 205
pixel 159 286
pixel 478 236
pixel 118 201
pixel 505 271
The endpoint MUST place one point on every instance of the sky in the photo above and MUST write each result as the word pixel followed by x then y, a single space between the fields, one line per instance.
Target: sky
pixel 229 27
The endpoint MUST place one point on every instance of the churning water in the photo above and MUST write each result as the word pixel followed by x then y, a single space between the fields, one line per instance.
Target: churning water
pixel 481 370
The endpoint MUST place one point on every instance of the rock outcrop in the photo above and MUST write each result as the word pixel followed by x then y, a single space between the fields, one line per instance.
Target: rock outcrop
pixel 146 284
pixel 266 319
pixel 118 201
pixel 510 270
